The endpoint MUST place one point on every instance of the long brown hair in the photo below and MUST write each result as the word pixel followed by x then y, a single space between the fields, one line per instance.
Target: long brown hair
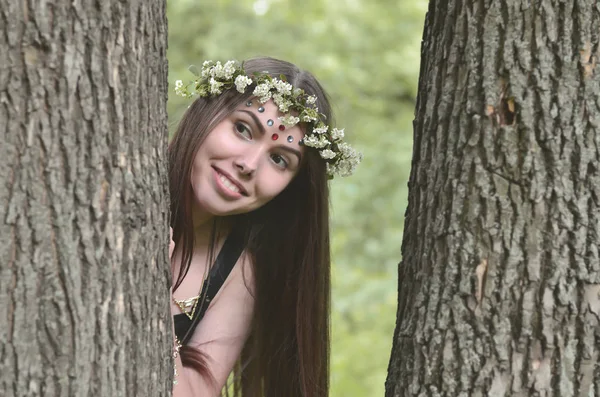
pixel 287 352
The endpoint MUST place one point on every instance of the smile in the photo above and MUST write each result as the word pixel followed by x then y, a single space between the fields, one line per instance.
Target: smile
pixel 229 186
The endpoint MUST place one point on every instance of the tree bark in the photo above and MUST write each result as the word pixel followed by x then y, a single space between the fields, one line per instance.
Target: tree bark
pixel 499 285
pixel 84 273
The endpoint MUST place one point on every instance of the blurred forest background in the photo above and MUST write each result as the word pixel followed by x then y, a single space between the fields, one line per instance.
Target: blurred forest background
pixel 366 54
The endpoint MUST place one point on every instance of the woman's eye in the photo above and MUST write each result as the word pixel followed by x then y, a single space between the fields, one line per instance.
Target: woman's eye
pixel 243 130
pixel 279 161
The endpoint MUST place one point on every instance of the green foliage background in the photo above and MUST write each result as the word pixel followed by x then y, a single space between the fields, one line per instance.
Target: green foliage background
pixel 366 54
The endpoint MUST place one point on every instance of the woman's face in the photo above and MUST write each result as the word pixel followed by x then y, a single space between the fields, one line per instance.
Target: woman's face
pixel 245 161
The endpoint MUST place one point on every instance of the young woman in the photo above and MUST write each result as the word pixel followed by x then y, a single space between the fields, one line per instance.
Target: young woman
pixel 248 169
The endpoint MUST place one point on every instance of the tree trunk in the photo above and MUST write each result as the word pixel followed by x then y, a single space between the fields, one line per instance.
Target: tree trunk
pixel 83 192
pixel 500 278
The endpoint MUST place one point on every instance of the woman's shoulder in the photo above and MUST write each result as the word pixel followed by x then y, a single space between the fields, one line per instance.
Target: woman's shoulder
pixel 242 274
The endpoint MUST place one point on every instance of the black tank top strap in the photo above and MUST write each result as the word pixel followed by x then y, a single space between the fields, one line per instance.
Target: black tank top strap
pixel 226 260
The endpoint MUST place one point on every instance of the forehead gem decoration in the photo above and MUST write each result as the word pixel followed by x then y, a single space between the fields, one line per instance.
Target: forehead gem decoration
pixel 270 122
pixel 249 103
pixel 275 137
pixel 282 127
pixel 261 109
pixel 290 139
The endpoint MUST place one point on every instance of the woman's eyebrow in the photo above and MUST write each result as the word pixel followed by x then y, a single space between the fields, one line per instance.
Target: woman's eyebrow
pixel 292 151
pixel 261 128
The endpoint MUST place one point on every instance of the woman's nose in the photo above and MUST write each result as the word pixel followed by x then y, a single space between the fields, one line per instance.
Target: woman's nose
pixel 248 163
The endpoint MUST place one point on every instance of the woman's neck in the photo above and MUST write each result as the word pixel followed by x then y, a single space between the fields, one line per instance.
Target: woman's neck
pixel 204 229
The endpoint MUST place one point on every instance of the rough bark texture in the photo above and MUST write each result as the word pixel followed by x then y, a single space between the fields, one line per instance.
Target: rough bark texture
pixel 500 279
pixel 83 193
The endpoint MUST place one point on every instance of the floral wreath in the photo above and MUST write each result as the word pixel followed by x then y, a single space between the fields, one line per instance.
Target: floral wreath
pixel 341 159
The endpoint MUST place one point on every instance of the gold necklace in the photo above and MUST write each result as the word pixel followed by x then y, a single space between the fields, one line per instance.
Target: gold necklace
pixel 188 306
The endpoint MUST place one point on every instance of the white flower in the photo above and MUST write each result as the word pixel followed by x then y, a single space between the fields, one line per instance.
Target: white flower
pixel 309 115
pixel 345 149
pixel 178 87
pixel 263 92
pixel 282 103
pixel 311 100
pixel 181 90
pixel 346 161
pixel 327 154
pixel 349 159
pixel 282 87
pixel 321 130
pixel 228 70
pixel 289 121
pixel 206 68
pixel 241 82
pixel 345 167
pixel 310 141
pixel 337 134
pixel 217 71
pixel 215 86
pixel 318 142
